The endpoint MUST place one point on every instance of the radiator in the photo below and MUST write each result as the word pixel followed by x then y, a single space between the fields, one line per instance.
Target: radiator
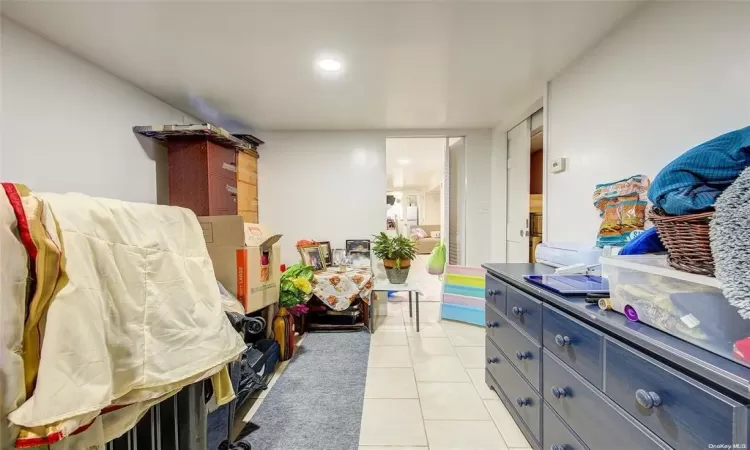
pixel 178 423
pixel 453 256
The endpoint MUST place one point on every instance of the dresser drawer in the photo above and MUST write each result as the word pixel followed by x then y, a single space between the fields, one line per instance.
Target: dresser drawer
pixel 520 350
pixel 495 292
pixel 680 410
pixel 222 161
pixel 222 194
pixel 526 312
pixel 247 168
pixel 247 196
pixel 495 386
pixel 523 397
pixel 556 435
pixel 577 344
pixel 494 322
pixel 594 418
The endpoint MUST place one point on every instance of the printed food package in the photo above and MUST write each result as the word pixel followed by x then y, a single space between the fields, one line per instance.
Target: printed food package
pixel 622 207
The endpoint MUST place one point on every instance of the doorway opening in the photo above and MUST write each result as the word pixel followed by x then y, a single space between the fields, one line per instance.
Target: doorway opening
pixel 525 189
pixel 425 197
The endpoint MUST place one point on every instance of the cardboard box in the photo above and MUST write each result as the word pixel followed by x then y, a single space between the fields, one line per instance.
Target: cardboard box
pixel 246 259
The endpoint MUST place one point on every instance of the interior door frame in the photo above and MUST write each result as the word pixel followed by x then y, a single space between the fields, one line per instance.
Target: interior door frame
pixel 446 135
pixel 541 102
pixel 527 121
pixel 460 208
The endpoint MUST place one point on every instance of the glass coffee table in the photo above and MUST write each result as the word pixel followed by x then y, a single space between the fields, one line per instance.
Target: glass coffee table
pixel 412 289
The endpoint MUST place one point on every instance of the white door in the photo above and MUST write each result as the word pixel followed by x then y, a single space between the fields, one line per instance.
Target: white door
pixel 517 231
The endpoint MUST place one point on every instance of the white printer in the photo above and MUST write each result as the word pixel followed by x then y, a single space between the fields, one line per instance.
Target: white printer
pixel 569 258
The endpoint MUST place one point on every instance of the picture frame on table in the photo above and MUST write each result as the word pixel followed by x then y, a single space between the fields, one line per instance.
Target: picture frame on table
pixel 339 257
pixel 326 252
pixel 312 256
pixel 358 251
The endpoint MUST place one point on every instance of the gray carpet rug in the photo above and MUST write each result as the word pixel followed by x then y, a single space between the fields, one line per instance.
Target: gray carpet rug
pixel 317 402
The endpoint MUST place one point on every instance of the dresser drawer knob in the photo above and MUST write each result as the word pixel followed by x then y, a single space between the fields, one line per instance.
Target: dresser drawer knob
pixel 559 392
pixel 493 360
pixel 647 399
pixel 518 311
pixel 523 355
pixel 557 447
pixel 492 292
pixel 561 340
pixel 492 324
pixel 523 401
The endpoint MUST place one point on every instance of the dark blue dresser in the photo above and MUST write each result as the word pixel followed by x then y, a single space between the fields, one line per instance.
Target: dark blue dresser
pixel 575 377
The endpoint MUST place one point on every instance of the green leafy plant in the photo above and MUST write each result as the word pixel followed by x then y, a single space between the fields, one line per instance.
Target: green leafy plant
pixel 397 248
pixel 295 285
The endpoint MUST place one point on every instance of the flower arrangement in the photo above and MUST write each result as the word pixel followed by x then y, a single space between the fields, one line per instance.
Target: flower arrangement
pixel 296 285
pixel 299 309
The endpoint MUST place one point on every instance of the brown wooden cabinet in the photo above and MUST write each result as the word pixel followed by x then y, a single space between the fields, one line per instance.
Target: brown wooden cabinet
pixel 211 171
pixel 247 187
pixel 212 180
pixel 202 176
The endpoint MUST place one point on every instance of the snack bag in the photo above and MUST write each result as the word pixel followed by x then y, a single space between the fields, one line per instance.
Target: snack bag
pixel 611 223
pixel 632 215
pixel 622 207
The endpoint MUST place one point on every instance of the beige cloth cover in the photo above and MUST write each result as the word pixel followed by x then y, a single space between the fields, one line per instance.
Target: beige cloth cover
pixel 140 316
pixel 13 275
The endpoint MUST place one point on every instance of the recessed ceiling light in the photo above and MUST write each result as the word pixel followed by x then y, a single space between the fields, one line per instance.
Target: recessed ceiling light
pixel 404 162
pixel 329 65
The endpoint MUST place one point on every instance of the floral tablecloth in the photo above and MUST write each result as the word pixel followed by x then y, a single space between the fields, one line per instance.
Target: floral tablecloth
pixel 339 290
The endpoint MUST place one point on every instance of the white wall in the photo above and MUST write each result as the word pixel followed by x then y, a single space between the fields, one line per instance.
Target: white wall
pixel 332 185
pixel 432 208
pixel 672 76
pixel 499 192
pixel 68 124
pixel 326 186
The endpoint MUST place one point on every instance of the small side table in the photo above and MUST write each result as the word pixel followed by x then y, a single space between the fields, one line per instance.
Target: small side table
pixel 385 285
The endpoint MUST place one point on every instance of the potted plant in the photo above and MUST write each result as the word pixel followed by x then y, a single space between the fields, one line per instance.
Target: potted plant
pixel 397 254
pixel 296 289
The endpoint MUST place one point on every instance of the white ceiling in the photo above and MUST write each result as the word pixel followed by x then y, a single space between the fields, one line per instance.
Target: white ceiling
pixel 414 163
pixel 429 64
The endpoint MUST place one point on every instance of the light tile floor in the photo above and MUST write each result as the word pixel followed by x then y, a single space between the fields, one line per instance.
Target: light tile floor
pixel 426 390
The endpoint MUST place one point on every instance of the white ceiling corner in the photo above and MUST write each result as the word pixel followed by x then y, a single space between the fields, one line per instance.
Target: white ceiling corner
pixel 408 65
pixel 414 164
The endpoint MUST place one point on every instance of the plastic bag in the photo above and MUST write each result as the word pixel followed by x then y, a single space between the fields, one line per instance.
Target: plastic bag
pixel 229 302
pixel 436 261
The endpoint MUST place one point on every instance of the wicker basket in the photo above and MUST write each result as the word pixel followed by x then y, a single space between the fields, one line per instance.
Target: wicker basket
pixel 687 240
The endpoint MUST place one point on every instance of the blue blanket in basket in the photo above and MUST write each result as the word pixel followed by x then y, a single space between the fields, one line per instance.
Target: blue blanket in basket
pixel 692 182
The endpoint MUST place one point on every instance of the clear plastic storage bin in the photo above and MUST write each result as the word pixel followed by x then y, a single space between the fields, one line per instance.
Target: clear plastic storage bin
pixel 691 307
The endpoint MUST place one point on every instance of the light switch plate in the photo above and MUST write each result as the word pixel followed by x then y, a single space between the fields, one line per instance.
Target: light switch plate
pixel 558 165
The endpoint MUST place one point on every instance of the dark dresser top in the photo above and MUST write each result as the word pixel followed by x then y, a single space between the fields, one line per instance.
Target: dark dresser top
pixel 724 374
